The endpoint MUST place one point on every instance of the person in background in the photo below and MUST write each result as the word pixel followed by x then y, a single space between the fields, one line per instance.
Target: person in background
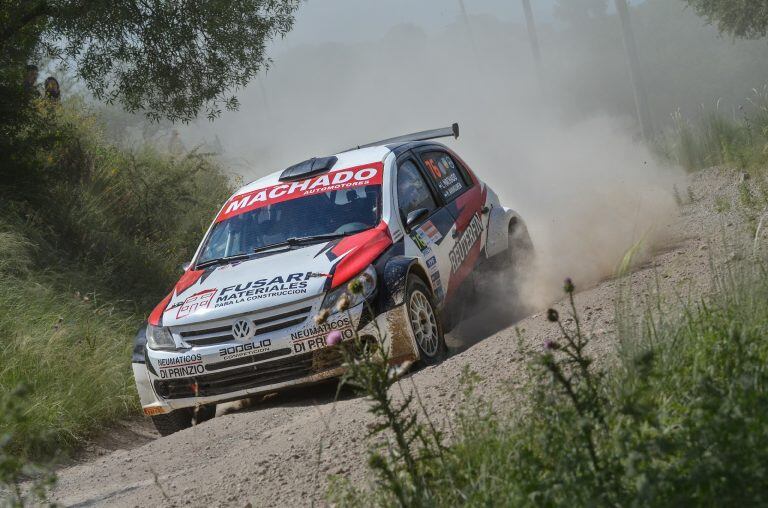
pixel 52 89
pixel 30 79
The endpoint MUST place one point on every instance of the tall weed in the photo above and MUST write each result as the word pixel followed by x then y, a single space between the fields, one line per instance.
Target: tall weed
pixel 91 237
pixel 715 138
pixel 680 419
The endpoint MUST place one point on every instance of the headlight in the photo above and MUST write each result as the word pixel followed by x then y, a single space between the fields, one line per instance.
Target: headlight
pixel 367 281
pixel 159 338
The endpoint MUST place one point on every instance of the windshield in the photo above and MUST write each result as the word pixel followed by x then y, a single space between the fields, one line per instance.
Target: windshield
pixel 335 212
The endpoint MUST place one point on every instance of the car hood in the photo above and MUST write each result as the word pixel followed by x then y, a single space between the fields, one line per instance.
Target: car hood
pixel 269 280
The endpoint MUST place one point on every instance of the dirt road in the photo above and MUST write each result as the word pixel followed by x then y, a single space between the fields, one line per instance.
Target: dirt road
pixel 281 452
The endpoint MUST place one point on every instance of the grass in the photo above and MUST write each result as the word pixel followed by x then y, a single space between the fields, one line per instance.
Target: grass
pixel 715 138
pixel 71 352
pixel 680 419
pixel 91 237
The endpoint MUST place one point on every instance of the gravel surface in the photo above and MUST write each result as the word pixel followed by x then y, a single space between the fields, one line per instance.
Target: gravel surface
pixel 280 452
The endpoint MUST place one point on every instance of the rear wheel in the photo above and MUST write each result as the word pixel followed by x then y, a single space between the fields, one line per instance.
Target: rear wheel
pixel 180 419
pixel 519 255
pixel 424 323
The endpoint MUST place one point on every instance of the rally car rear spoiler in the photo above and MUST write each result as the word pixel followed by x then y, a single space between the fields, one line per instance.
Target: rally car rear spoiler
pixel 445 132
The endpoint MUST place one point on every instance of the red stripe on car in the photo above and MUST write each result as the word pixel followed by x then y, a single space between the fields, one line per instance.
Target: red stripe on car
pixel 155 319
pixel 359 251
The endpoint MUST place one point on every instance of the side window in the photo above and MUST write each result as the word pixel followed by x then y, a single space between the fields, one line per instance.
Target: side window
pixel 412 190
pixel 446 173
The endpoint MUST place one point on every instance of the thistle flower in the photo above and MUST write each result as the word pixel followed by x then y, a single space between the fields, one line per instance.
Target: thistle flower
pixel 355 286
pixel 553 316
pixel 322 316
pixel 333 338
pixel 552 345
pixel 343 303
pixel 568 286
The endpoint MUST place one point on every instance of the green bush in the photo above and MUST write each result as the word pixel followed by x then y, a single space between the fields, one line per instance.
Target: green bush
pixel 15 469
pixel 125 220
pixel 91 238
pixel 680 419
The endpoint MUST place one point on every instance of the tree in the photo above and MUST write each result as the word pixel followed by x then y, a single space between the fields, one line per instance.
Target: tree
pixel 168 58
pixel 741 18
pixel 579 11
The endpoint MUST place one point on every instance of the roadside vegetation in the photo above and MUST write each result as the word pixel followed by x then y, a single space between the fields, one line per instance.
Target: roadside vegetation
pixel 680 419
pixel 737 139
pixel 91 237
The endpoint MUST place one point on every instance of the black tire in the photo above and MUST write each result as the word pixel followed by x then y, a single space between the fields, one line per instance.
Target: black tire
pixel 204 413
pixel 421 308
pixel 170 423
pixel 180 419
pixel 518 258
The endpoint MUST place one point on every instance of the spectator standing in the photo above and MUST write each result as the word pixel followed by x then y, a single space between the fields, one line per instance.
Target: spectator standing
pixel 30 80
pixel 52 89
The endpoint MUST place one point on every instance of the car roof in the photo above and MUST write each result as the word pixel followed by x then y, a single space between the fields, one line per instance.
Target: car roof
pixel 348 159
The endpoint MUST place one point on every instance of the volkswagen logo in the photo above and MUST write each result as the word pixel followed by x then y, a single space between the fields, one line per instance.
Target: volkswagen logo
pixel 242 329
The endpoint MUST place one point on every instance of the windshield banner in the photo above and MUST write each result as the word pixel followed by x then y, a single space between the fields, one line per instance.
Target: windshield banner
pixel 370 174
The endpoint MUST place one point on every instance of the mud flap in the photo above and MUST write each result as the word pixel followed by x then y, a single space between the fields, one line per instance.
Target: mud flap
pixel 395 315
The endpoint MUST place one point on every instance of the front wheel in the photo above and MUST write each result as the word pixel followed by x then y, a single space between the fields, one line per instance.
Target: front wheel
pixel 180 419
pixel 425 325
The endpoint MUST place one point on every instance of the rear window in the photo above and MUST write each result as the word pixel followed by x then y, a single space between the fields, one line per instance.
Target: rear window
pixel 445 173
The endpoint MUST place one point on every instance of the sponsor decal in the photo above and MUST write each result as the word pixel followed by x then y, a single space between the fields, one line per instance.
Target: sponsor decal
pixel 313 337
pixel 152 411
pixel 241 350
pixel 198 301
pixel 419 240
pixel 425 235
pixel 294 283
pixel 439 293
pixel 431 231
pixel 180 366
pixel 444 170
pixel 435 277
pixel 334 180
pixel 431 262
pixel 469 237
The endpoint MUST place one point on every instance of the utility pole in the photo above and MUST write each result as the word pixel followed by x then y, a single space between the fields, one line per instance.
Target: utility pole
pixel 641 97
pixel 468 28
pixel 533 37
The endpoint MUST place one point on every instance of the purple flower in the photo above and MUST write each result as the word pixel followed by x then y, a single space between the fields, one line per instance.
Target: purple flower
pixel 552 345
pixel 333 338
pixel 553 316
pixel 568 285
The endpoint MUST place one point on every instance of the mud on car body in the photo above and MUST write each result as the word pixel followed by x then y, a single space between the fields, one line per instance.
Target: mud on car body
pixel 406 216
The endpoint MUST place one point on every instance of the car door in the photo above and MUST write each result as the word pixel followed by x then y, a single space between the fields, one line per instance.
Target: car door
pixel 427 238
pixel 464 199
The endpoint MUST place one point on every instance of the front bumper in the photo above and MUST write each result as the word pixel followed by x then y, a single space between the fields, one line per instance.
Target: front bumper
pixel 288 358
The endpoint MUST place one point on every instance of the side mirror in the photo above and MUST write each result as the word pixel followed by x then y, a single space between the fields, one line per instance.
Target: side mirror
pixel 185 266
pixel 415 217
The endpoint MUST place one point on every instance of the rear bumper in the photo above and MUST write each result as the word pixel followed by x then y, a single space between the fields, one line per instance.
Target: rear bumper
pixel 268 374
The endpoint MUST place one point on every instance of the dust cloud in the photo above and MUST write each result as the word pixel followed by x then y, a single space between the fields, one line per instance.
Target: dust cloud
pixel 587 188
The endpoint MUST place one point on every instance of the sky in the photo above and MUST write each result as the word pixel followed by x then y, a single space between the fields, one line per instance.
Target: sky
pixel 340 20
pixel 357 20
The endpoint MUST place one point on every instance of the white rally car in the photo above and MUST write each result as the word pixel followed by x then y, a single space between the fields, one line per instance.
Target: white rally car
pixel 406 216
